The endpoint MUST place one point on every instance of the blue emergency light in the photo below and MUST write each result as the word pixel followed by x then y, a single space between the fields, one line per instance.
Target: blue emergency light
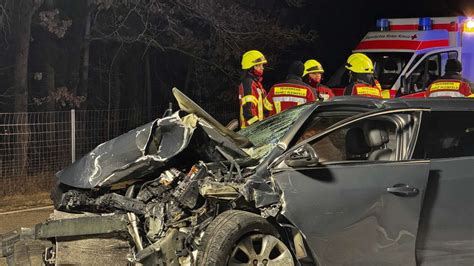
pixel 424 24
pixel 383 24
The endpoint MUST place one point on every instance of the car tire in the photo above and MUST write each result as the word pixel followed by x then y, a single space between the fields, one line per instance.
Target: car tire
pixel 234 231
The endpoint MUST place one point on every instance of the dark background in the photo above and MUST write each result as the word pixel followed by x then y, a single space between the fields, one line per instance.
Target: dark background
pixel 193 45
pixel 342 24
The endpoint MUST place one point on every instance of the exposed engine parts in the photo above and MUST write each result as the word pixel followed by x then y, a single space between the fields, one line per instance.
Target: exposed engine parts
pixel 167 215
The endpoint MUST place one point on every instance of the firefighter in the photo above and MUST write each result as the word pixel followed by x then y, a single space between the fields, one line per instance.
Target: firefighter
pixel 290 92
pixel 313 75
pixel 452 84
pixel 361 77
pixel 251 91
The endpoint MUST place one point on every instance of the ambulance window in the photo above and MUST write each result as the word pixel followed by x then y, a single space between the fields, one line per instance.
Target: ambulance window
pixel 444 59
pixel 429 70
pixel 388 66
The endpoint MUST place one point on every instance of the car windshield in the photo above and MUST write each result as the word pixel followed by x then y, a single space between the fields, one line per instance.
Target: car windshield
pixel 267 133
pixel 388 67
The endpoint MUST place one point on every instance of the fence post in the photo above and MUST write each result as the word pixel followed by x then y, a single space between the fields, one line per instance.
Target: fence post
pixel 73 135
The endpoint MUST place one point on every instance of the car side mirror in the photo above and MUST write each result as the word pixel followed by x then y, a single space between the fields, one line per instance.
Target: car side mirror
pixel 303 156
pixel 404 85
pixel 233 125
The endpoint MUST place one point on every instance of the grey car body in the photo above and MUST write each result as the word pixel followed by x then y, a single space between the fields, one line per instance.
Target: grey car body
pixel 363 181
pixel 399 203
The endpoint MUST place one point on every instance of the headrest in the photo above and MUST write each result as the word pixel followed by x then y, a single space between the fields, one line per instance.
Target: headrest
pixel 375 134
pixel 453 65
pixel 432 66
pixel 355 142
pixel 390 65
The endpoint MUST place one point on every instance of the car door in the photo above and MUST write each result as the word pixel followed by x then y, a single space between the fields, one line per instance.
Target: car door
pixel 356 209
pixel 446 227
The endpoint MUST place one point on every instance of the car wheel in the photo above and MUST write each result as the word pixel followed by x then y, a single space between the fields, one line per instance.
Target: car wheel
pixel 242 238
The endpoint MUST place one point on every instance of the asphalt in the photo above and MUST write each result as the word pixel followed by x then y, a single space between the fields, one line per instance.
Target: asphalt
pixel 23 218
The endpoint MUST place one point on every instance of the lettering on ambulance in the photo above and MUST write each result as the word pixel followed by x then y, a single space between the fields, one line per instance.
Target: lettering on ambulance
pixel 402 45
pixel 452 86
pixel 290 91
pixel 368 91
pixel 413 40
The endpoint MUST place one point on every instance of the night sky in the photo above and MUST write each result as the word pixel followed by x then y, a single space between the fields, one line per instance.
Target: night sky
pixel 342 24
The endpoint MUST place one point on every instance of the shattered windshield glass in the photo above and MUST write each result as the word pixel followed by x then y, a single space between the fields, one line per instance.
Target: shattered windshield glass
pixel 266 134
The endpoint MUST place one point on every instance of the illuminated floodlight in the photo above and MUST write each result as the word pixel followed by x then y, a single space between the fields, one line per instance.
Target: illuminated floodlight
pixel 469 25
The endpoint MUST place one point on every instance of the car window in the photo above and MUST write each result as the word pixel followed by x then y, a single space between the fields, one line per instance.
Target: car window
pixel 318 124
pixel 445 135
pixel 369 139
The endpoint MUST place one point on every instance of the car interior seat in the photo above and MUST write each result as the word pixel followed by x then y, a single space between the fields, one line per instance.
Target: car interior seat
pixel 449 143
pixel 432 72
pixel 389 74
pixel 356 145
pixel 377 138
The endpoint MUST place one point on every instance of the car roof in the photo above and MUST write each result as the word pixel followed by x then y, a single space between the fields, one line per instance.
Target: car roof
pixel 435 104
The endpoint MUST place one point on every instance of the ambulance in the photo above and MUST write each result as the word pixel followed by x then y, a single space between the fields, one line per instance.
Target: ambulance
pixel 410 53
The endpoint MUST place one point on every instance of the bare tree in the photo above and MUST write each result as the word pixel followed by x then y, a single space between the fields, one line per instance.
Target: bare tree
pixel 211 34
pixel 84 77
pixel 23 13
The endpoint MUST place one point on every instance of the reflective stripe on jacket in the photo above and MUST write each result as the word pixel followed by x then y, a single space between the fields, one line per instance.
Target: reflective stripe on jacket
pixel 449 88
pixel 287 94
pixel 361 88
pixel 251 96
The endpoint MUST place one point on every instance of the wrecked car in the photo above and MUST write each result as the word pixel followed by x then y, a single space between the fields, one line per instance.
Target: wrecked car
pixel 353 181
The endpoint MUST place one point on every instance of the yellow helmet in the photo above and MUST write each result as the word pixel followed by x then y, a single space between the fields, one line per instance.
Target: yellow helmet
pixel 252 58
pixel 312 66
pixel 360 63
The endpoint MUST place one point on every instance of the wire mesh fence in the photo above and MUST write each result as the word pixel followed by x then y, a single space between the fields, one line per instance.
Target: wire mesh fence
pixel 34 146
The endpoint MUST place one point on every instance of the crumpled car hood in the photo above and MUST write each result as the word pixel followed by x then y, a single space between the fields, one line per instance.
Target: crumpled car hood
pixel 135 153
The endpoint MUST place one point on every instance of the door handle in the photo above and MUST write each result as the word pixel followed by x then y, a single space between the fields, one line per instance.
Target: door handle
pixel 403 190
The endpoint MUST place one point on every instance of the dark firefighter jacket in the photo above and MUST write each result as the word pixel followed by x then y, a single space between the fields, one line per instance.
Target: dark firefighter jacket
pixel 251 96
